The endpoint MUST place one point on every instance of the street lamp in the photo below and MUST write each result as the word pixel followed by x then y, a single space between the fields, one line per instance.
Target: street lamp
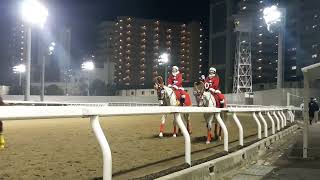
pixel 88 66
pixel 21 68
pixel 33 13
pixel 163 60
pixel 50 52
pixel 275 19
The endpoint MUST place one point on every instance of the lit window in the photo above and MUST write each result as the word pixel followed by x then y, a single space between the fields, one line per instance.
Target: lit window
pixel 260 17
pixel 259 68
pixel 259 76
pixel 314 46
pixel 315 16
pixel 260 43
pixel 200 29
pixel 260 59
pixel 294 67
pixel 260 51
pixel 314 56
pixel 260 26
pixel 261 2
pixel 314 26
pixel 260 34
pixel 200 41
pixel 244 7
pixel 243 41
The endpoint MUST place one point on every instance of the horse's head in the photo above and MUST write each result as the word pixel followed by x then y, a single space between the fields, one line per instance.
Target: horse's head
pixel 198 90
pixel 159 87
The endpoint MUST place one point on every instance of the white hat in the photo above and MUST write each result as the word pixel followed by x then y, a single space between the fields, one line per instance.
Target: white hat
pixel 175 67
pixel 212 69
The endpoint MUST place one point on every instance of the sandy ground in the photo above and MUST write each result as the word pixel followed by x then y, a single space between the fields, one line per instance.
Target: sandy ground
pixel 68 149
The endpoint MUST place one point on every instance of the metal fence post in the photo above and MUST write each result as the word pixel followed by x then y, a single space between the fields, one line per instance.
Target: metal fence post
pixel 236 120
pixel 105 148
pixel 186 137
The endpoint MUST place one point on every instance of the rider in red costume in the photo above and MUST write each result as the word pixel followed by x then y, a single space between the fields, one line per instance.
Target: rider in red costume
pixel 175 82
pixel 212 83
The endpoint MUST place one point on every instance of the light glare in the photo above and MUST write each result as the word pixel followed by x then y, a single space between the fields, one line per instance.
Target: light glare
pixel 21 68
pixel 87 66
pixel 34 12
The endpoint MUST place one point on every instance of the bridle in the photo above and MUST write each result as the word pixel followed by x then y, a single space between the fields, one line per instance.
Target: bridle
pixel 200 97
pixel 162 95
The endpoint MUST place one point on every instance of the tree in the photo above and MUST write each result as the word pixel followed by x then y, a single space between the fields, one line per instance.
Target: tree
pixel 54 90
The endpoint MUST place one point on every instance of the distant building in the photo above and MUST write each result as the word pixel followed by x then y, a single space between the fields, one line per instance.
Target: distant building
pixel 17 45
pixel 103 50
pixel 299 38
pixel 138 43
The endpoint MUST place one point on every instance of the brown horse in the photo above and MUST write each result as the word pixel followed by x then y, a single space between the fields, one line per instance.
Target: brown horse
pixel 167 97
pixel 206 99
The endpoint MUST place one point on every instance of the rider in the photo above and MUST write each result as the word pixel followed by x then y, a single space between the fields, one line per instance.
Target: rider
pixel 175 82
pixel 212 83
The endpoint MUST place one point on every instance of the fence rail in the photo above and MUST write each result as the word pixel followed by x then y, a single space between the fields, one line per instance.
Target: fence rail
pixel 94 112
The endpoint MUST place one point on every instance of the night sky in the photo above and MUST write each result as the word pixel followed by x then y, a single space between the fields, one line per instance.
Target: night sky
pixel 82 16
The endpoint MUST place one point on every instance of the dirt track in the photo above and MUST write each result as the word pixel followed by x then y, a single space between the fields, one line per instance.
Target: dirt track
pixel 67 148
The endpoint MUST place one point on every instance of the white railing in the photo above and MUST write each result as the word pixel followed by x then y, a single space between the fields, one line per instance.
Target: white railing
pixel 48 103
pixel 44 112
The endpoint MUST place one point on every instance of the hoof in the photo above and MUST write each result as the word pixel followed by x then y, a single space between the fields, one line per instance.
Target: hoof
pixel 208 142
pixel 161 135
pixel 174 135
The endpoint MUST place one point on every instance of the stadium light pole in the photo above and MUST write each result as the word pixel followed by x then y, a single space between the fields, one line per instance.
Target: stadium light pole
pixel 88 66
pixel 163 60
pixel 276 17
pixel 21 68
pixel 33 13
pixel 43 71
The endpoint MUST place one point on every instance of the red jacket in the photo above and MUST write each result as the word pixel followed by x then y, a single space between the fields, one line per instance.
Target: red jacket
pixel 212 83
pixel 175 80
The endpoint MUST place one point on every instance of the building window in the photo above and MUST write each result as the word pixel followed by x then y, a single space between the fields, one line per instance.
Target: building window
pixel 142 92
pixel 293 67
pixel 132 93
pixel 314 56
pixel 152 92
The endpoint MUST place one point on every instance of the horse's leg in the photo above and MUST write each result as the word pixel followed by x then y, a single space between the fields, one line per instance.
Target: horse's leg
pixel 187 118
pixel 163 121
pixel 2 142
pixel 174 127
pixel 208 118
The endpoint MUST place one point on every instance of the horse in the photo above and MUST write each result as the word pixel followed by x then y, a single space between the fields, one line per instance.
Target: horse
pixel 167 97
pixel 206 99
